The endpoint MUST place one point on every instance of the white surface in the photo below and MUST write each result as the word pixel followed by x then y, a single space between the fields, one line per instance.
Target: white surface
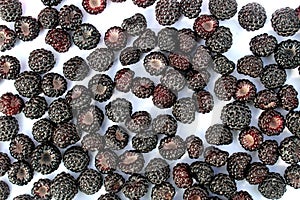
pixel 114 15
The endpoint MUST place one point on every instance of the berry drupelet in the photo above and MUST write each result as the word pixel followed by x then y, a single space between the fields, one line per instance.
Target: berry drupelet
pixel 135 187
pixel 115 38
pixel 163 191
pixel 245 91
pixel 250 65
pixel 4 163
pixel 222 65
pixel 41 189
pixel 263 45
pixel 116 137
pixel 113 182
pixel 163 97
pixel 123 79
pixel 142 87
pixel 292 122
pixel 134 25
pixel 173 80
pixel 225 87
pixel 287 54
pixel 182 175
pixel 194 192
pixel 289 149
pixel 20 173
pixel 51 2
pixel 4 190
pixel 273 76
pixel 93 142
pixel 69 17
pixel 94 7
pixel 271 122
pixel 222 184
pixel 288 97
pixel 167 39
pixel 187 40
pixel 142 3
pixel 273 186
pixel 238 164
pixel 129 56
pixel 205 25
pixel 146 42
pixel 41 60
pixel 106 161
pixel 202 172
pixel 194 146
pixel 139 121
pixel 292 176
pixel 215 156
pixel 190 9
pixel 78 97
pixel 220 41
pixel 10 10
pixel 268 152
pixel 184 110
pixel 144 142
pixel 60 111
pixel 9 67
pixel 256 173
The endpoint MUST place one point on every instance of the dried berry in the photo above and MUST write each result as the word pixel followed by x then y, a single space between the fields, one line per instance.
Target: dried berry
pixel 251 138
pixel 273 186
pixel 118 110
pixel 11 104
pixel 86 36
pixel 271 122
pixel 182 175
pixel 218 134
pixel 268 152
pixel 59 39
pixel 106 161
pixel 131 162
pixel 8 38
pixel 114 182
pixel 215 156
pixel 194 146
pixel 172 148
pixel 238 164
pixel 222 184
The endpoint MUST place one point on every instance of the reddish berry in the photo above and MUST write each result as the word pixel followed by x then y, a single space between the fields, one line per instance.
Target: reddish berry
pixel 59 39
pixel 194 146
pixel 271 122
pixel 179 61
pixel 250 138
pixel 115 38
pixel 11 104
pixel 245 90
pixel 123 79
pixel 182 176
pixel 205 25
pixel 163 97
pixel 94 7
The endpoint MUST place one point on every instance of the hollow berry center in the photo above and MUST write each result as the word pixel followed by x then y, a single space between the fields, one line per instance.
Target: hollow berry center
pixel 95 3
pixel 130 159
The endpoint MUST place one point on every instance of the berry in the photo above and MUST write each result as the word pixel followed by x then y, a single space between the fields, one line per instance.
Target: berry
pixel 222 65
pixel 164 124
pixel 285 21
pixel 251 138
pixel 64 186
pixel 10 10
pixel 167 39
pixel 28 84
pixel 202 172
pixel 167 12
pixel 113 182
pixel 60 111
pixel 135 24
pixel 223 9
pixel 78 97
pixel 75 69
pixel 21 147
pixel 4 190
pixel 222 184
pixel 196 80
pixel 179 61
pixel 106 161
pixel 35 107
pixel 163 191
pixel 241 195
pixel 143 3
pixel 245 91
pixel 263 45
pixel 184 110
pixel 238 164
pixel 292 176
pixel 292 122
pixel 115 38
pixel 41 189
pixel 123 79
pixel 155 63
pixel 163 97
pixel 225 87
pixel 86 36
pixel 195 191
pixel 268 152
pixel 45 158
pixel 187 40
pixel 220 41
pixel 129 56
pixel 218 134
pixel 116 138
pixel 236 115
pixel 76 159
pixel 93 142
pixel 144 142
pixel 131 162
pixel 59 39
pixel 118 110
pixel 9 127
pixel 204 101
pixel 101 86
pixel 173 80
pixel 252 16
pixel 90 118
pixel 138 121
pixel 273 186
pixel 41 60
pixel 9 67
pixel 266 99
pixel 101 59
pixel 190 9
pixel 205 25
pixel 289 149
pixel 23 197
pixel 135 187
pixel 8 38
pixel 257 172
pixel 287 54
pixel 65 134
pixel 142 87
pixel 4 163
pixel 11 104
pixel 272 76
pixel 146 42
pixel 27 28
pixel 172 147
pixel 48 17
pixel 51 2
pixel 157 171
pixel 288 97
pixel 20 173
pixel 271 122
pixel 54 84
pixel 182 175
pixel 215 156
pixel 94 7
pixel 70 17
pixel 109 196
pixel 250 65
pixel 194 146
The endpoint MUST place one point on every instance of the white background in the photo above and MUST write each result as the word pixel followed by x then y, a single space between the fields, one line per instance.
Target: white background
pixel 114 15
